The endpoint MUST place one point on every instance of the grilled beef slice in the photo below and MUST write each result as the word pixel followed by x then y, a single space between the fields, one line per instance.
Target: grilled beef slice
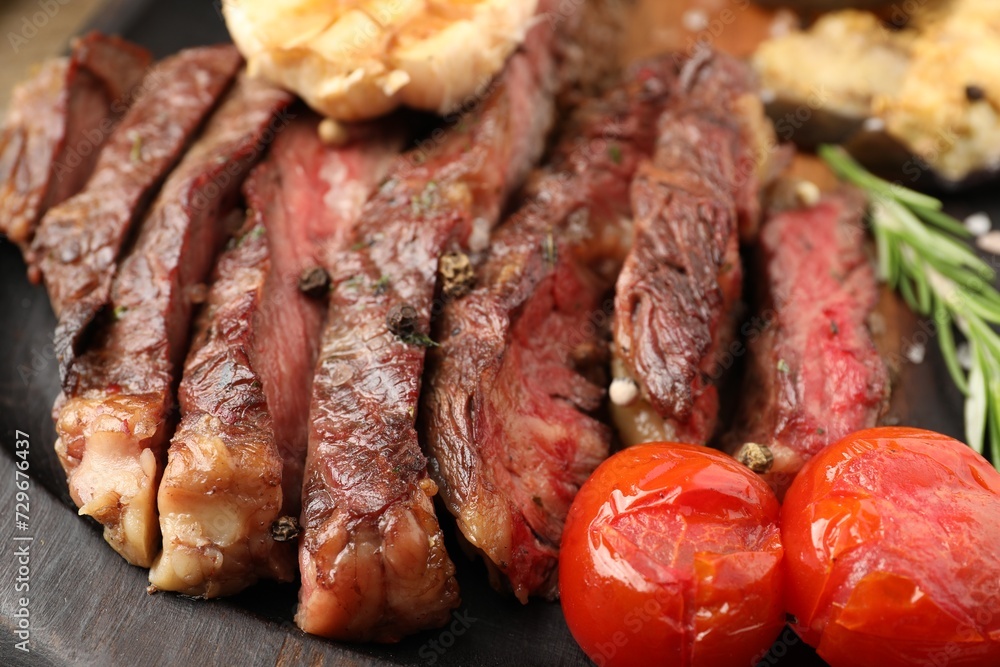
pixel 373 561
pixel 56 125
pixel 234 472
pixel 677 294
pixel 814 374
pixel 519 371
pixel 79 242
pixel 115 418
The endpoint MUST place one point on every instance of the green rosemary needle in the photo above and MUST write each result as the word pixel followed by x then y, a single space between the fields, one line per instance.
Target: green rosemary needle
pixel 922 255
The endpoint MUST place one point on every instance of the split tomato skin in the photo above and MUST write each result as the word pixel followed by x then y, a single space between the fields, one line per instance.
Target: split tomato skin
pixel 892 552
pixel 671 555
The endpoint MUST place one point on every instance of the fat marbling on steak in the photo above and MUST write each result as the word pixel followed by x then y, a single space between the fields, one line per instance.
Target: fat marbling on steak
pixel 677 295
pixel 79 242
pixel 115 417
pixel 229 499
pixel 57 123
pixel 814 374
pixel 511 391
pixel 373 560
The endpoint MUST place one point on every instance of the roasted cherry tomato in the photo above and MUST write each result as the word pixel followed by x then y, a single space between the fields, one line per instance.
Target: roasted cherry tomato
pixel 672 556
pixel 892 552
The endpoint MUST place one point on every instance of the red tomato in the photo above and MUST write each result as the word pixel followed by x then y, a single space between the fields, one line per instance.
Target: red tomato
pixel 672 556
pixel 892 542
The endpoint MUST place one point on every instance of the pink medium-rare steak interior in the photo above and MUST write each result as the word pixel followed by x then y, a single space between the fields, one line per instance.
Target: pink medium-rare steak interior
pixel 511 389
pixel 322 194
pixel 372 560
pixel 57 123
pixel 234 474
pixel 79 243
pixel 814 374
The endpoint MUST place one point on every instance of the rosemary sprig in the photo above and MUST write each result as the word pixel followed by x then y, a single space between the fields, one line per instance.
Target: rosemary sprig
pixel 921 254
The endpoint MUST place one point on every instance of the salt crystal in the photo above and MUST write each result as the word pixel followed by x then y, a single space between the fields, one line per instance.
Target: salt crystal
pixel 333 133
pixel 915 353
pixel 807 193
pixel 963 353
pixel 623 391
pixel 873 124
pixel 785 21
pixel 479 238
pixel 694 20
pixel 978 223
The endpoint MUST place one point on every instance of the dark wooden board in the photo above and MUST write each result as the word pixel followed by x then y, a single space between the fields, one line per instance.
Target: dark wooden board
pixel 88 607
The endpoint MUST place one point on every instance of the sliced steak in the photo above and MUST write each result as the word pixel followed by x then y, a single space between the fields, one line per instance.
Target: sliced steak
pixel 56 125
pixel 115 419
pixel 814 374
pixel 79 242
pixel 230 495
pixel 677 294
pixel 520 368
pixel 373 561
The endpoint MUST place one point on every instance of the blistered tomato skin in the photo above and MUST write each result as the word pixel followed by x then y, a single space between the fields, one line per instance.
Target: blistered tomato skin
pixel 672 556
pixel 892 552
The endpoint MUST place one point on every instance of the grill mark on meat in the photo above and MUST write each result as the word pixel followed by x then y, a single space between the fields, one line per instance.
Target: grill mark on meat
pixel 814 374
pixel 79 242
pixel 676 297
pixel 520 363
pixel 56 125
pixel 235 464
pixel 373 561
pixel 117 414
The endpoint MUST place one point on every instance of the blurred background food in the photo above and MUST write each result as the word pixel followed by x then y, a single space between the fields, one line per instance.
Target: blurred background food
pixel 352 60
pixel 30 37
pixel 826 5
pixel 923 84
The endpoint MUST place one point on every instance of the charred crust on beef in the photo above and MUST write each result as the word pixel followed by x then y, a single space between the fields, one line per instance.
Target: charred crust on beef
pixel 533 334
pixel 314 282
pixel 818 329
pixel 457 274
